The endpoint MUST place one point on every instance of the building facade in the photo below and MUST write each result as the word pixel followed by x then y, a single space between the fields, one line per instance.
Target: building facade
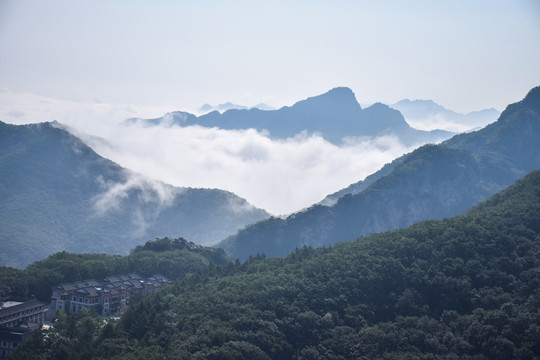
pixel 107 296
pixel 15 312
pixel 18 319
pixel 10 337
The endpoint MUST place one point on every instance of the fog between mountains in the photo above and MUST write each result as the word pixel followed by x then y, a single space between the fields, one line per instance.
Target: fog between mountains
pixel 280 176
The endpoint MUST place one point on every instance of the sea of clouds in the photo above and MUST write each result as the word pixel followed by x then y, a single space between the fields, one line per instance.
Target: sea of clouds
pixel 280 176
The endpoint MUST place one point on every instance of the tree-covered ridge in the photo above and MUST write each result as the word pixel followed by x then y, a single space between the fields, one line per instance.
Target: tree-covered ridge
pixel 169 257
pixel 466 287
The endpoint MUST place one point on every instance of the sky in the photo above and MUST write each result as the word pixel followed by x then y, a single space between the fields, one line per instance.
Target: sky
pixel 92 64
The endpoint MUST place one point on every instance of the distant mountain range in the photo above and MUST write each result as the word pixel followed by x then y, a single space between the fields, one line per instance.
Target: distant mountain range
pixel 335 115
pixel 228 106
pixel 427 111
pixel 432 182
pixel 58 194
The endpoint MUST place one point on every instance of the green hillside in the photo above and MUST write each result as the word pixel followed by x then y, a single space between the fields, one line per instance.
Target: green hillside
pixel 461 288
pixel 57 194
pixel 168 257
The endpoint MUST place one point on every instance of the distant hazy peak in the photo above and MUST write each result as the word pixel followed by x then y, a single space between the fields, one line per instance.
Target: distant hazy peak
pixel 379 105
pixel 386 117
pixel 263 106
pixel 206 107
pixel 430 104
pixel 230 106
pixel 428 114
pixel 386 112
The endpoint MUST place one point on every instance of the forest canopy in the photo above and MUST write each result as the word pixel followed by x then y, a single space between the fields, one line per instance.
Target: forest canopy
pixel 168 257
pixel 466 287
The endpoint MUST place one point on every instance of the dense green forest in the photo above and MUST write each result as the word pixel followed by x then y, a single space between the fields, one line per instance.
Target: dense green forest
pixel 169 257
pixel 466 287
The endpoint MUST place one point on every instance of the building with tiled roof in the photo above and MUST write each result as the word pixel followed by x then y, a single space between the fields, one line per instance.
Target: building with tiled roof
pixel 106 296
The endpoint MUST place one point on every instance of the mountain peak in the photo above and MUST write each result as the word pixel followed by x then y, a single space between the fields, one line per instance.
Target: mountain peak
pixel 379 105
pixel 339 97
pixel 407 104
pixel 340 94
pixel 340 91
pixel 533 98
pixel 530 103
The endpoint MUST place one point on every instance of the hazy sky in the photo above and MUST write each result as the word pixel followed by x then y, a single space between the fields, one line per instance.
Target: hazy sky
pixel 91 64
pixel 466 55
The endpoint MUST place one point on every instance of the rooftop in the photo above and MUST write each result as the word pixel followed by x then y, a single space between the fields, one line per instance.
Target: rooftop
pixel 110 283
pixel 7 304
pixel 16 306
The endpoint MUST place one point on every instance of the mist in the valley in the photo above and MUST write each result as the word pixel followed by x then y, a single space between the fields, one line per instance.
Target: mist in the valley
pixel 280 176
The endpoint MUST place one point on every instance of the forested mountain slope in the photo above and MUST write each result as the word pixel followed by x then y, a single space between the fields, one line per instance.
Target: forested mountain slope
pixel 168 257
pixel 460 288
pixel 432 182
pixel 58 194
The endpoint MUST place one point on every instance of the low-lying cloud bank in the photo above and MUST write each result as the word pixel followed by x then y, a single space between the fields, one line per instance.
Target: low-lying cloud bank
pixel 281 176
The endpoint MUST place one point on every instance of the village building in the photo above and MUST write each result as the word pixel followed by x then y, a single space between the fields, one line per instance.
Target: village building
pixel 10 337
pixel 107 296
pixel 18 319
pixel 16 312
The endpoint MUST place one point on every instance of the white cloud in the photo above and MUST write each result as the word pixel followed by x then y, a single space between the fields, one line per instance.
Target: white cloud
pixel 438 121
pixel 149 192
pixel 281 176
pixel 152 196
